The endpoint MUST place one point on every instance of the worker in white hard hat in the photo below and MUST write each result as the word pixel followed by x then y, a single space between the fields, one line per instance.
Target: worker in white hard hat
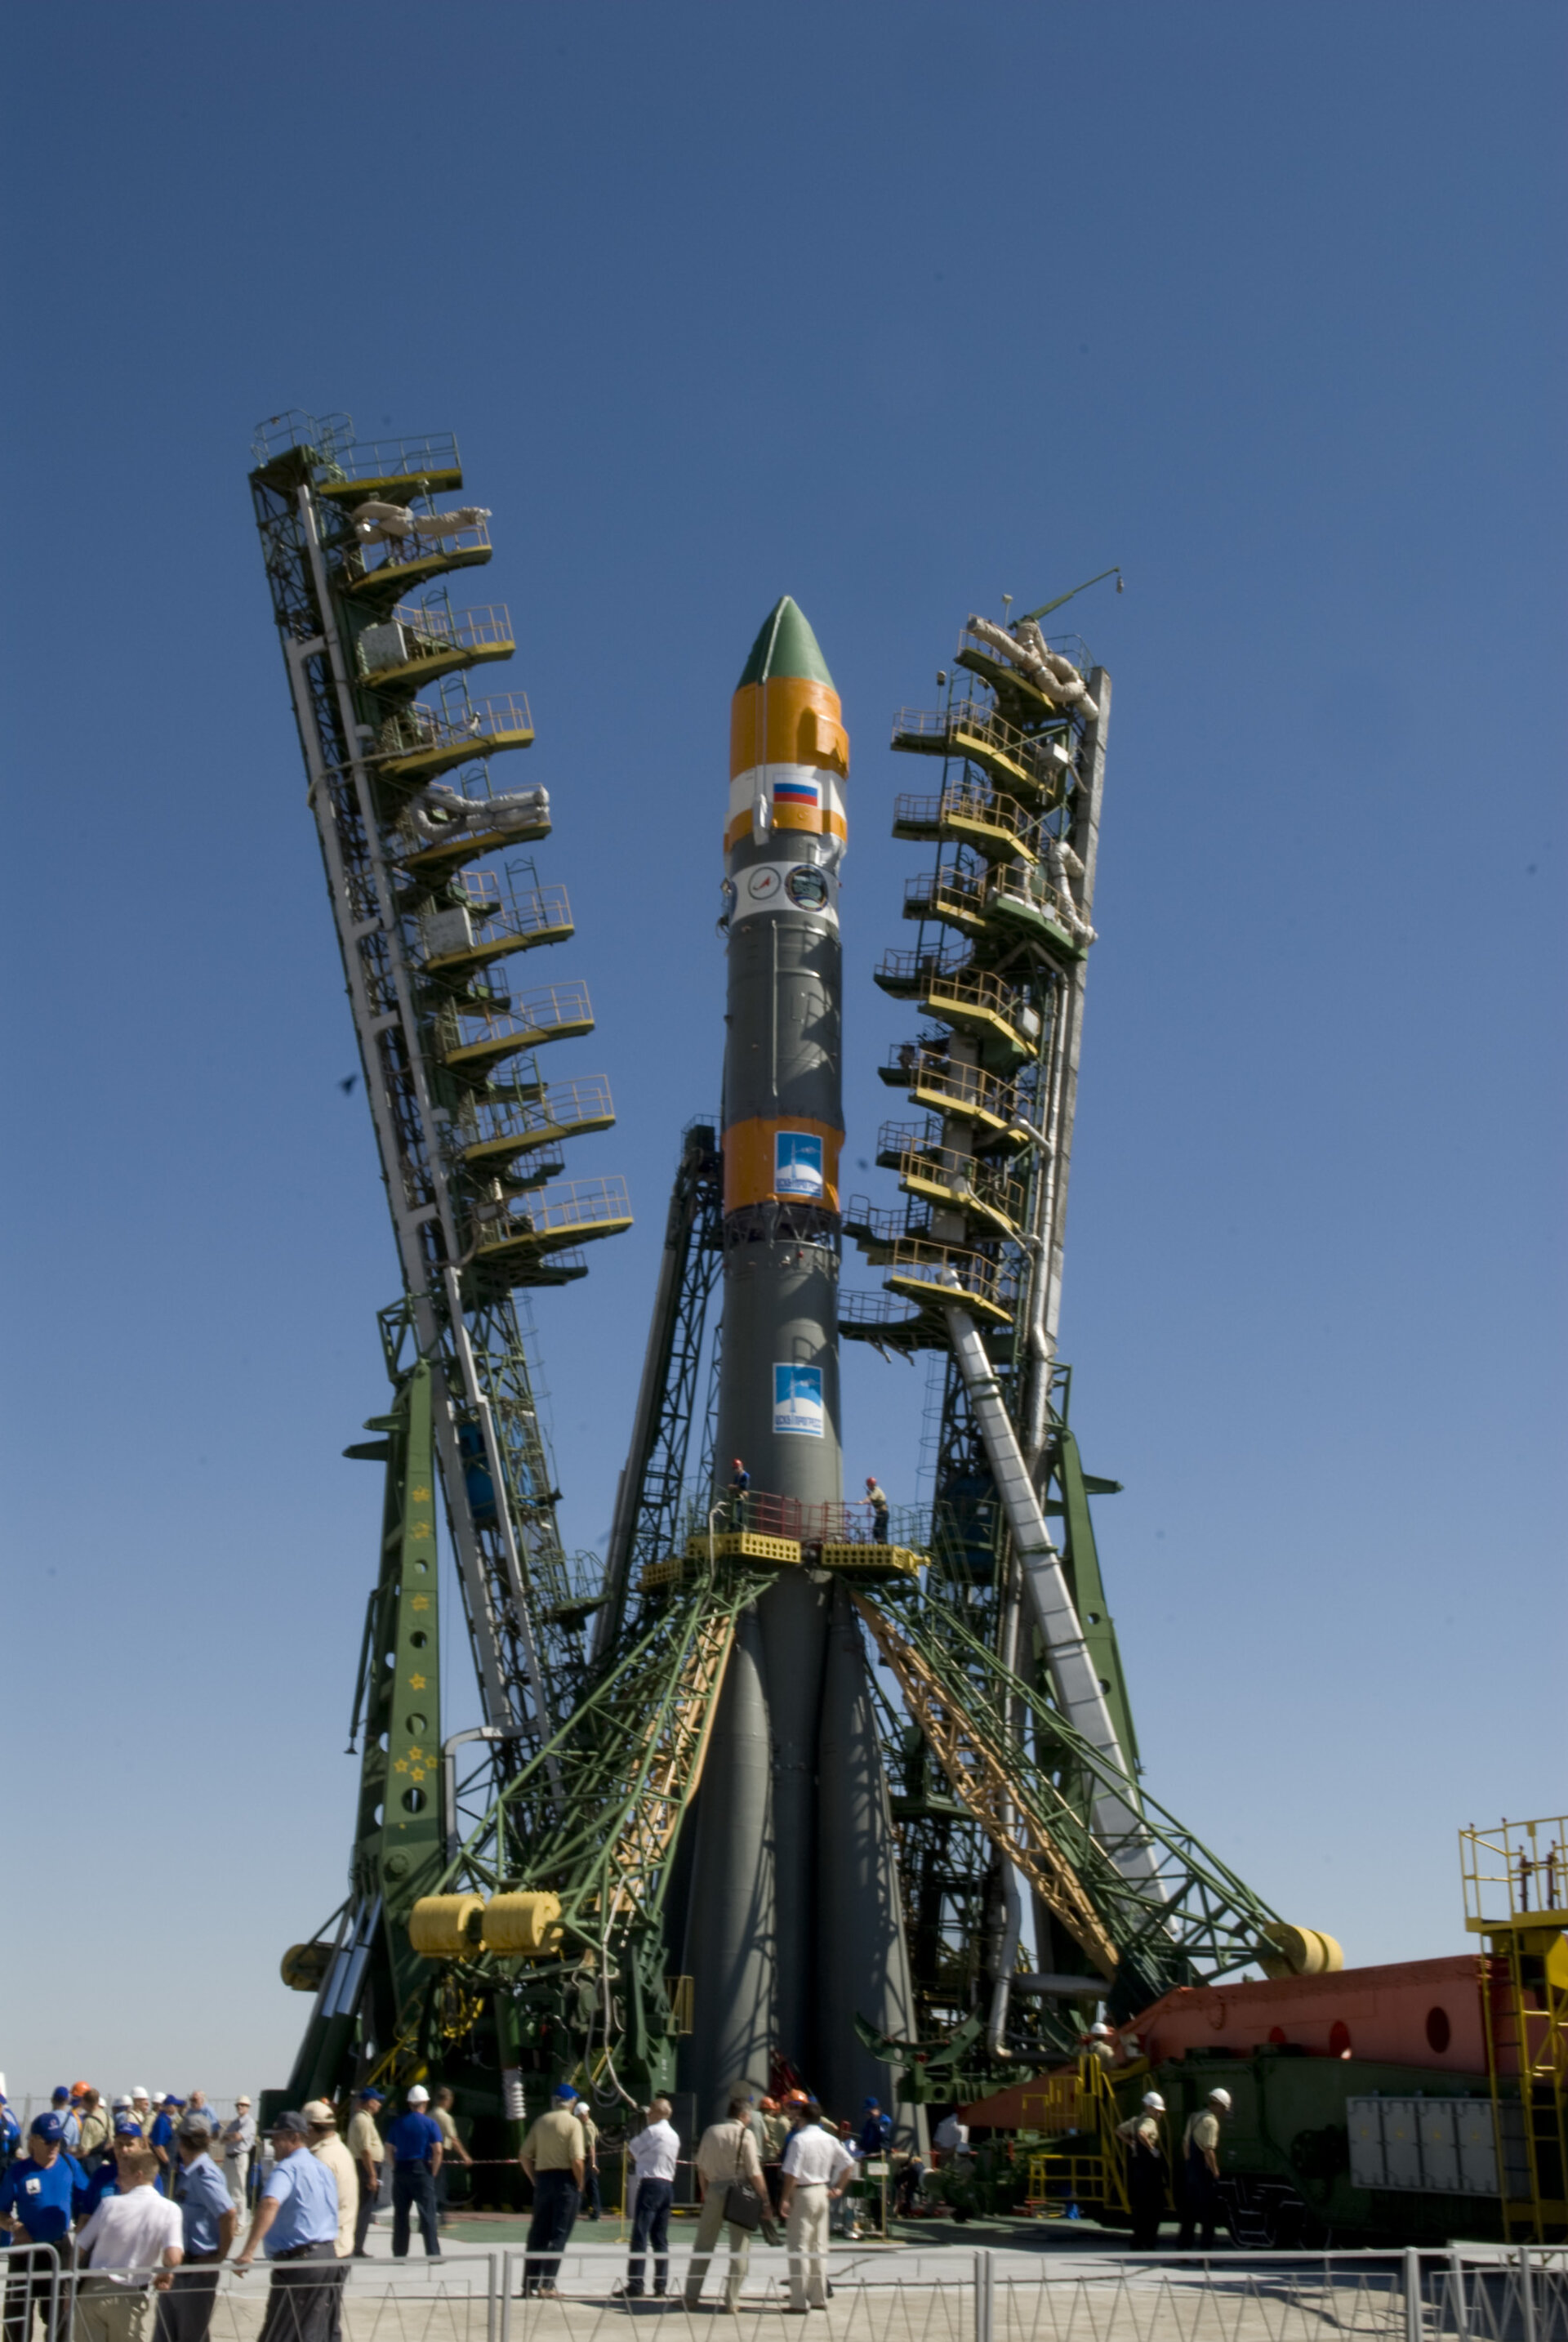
pixel 1200 2170
pixel 1148 2170
pixel 1100 2042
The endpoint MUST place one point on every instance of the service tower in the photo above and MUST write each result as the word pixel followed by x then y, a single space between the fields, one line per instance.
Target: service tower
pixel 794 1925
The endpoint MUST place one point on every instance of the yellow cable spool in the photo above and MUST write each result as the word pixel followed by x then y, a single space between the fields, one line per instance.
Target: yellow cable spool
pixel 525 1927
pixel 443 1927
pixel 1302 1951
pixel 304 1966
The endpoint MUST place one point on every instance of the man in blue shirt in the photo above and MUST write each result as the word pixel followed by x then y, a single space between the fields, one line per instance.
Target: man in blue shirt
pixel 10 2132
pixel 297 2224
pixel 211 2218
pixel 414 2149
pixel 161 2139
pixel 71 2128
pixel 36 2201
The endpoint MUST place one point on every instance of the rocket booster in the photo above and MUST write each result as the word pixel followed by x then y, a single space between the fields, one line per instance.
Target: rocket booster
pixel 793 1917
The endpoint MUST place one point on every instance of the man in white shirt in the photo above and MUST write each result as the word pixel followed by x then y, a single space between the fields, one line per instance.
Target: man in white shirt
pixel 654 2153
pixel 950 2139
pixel 816 2169
pixel 139 2235
pixel 726 2157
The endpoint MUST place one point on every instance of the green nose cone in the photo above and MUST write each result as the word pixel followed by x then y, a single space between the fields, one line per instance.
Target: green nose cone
pixel 786 645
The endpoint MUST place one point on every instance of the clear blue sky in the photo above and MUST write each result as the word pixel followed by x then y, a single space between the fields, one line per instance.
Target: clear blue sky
pixel 895 309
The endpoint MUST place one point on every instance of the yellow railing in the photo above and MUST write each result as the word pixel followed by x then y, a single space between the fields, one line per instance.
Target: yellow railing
pixel 557 1111
pixel 565 1211
pixel 964 1089
pixel 923 1260
pixel 964 801
pixel 531 1014
pixel 978 988
pixel 418 730
pixel 1517 1871
pixel 399 553
pixel 484 627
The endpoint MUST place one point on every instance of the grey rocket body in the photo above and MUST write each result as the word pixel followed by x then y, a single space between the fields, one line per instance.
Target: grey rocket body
pixel 794 1925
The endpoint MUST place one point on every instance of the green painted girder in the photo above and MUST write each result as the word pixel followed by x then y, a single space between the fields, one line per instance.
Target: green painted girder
pixel 1207 1922
pixel 1081 1561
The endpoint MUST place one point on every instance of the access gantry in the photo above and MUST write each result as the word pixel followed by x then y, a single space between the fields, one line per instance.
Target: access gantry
pixel 434 903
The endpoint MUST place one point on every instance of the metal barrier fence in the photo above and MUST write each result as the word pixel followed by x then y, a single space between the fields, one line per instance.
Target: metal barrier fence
pixel 893 2294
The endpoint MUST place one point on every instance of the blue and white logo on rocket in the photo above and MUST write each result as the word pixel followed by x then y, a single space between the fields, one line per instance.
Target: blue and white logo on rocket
pixel 798 1163
pixel 797 1401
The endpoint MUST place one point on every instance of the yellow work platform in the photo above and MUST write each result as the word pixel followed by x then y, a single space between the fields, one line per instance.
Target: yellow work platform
pixel 413 673
pixel 501 723
pixel 956 1196
pixel 962 907
pixel 490 1048
pixel 395 578
pixel 549 1132
pixel 440 858
pixel 969 1009
pixel 927 1294
pixel 873 1560
pixel 509 939
pixel 996 827
pixel 745 1545
pixel 521 1235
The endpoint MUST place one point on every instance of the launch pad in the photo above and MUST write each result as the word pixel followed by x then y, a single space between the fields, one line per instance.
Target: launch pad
pixel 769 1792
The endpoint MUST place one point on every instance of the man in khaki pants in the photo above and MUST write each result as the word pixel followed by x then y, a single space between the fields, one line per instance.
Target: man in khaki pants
pixel 817 2168
pixel 138 2233
pixel 727 2158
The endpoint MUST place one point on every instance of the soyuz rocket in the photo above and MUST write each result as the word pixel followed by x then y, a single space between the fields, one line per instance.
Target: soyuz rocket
pixel 793 1925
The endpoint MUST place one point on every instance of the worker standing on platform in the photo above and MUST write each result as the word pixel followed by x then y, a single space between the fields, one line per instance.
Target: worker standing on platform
pixel 740 1483
pixel 1200 2170
pixel 553 2156
pixel 727 2158
pixel 815 2172
pixel 414 2148
pixel 239 2146
pixel 369 2155
pixel 450 2144
pixel 654 2153
pixel 1147 2175
pixel 876 1498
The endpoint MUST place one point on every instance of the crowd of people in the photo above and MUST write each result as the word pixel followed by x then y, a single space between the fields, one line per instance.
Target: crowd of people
pixel 138 2203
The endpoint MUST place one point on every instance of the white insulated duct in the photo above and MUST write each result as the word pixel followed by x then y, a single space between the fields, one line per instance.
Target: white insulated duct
pixel 439 812
pixel 1037 663
pixel 375 523
pixel 1116 1820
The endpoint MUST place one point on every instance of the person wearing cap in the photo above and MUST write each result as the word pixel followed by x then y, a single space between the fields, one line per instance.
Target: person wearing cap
pixel 239 2138
pixel 553 2156
pixel 135 2237
pixel 445 2122
pixel 365 2144
pixel 414 2151
pixel 37 2202
pixel 1200 2170
pixel 71 2128
pixel 329 2148
pixel 295 2224
pixel 95 2132
pixel 876 1498
pixel 210 2218
pixel 142 2107
pixel 816 2170
pixel 1148 2179
pixel 591 2160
